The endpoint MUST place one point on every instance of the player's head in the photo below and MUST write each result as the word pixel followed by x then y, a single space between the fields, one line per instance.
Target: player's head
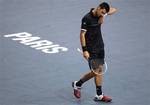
pixel 102 9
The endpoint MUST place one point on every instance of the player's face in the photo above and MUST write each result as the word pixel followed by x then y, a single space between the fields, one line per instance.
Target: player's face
pixel 101 12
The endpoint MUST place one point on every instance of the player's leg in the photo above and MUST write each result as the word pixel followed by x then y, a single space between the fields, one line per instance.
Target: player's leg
pixel 98 82
pixel 77 84
pixel 85 78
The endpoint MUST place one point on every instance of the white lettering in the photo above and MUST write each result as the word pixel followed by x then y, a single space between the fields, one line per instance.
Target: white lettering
pixel 55 50
pixel 19 35
pixel 36 43
pixel 46 47
pixel 39 43
pixel 26 39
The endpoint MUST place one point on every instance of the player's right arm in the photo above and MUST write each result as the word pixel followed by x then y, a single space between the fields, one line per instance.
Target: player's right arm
pixel 84 28
pixel 83 44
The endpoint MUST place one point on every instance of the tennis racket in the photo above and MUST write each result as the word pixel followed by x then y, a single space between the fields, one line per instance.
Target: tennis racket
pixel 92 65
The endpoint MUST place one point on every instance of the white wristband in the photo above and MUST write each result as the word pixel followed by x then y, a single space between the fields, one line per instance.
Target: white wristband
pixel 105 14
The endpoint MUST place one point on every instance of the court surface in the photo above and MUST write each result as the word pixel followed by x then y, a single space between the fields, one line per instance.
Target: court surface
pixel 31 77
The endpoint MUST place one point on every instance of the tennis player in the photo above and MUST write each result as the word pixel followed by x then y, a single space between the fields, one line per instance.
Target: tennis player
pixel 93 48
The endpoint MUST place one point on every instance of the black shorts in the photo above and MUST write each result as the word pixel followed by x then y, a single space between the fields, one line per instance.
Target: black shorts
pixel 97 55
pixel 95 63
pixel 96 59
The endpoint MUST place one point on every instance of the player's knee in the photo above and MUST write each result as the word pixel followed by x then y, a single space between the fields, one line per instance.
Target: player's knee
pixel 93 73
pixel 97 71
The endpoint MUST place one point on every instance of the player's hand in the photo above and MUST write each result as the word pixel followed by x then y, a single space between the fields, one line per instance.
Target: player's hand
pixel 86 55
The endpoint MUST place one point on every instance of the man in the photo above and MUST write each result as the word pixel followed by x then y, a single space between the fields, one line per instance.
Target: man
pixel 93 48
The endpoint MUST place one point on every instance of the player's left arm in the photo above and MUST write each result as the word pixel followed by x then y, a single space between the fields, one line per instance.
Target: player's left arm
pixel 112 11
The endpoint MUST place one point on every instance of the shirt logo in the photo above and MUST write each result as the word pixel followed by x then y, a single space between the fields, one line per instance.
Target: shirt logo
pixel 84 23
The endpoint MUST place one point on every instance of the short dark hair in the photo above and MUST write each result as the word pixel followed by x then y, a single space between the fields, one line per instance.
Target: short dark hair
pixel 105 5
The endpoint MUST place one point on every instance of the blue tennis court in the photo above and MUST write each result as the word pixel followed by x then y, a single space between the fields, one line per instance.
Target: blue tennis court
pixel 30 75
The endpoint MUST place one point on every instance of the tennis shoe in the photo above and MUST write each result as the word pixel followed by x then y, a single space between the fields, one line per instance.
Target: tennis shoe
pixel 102 98
pixel 77 90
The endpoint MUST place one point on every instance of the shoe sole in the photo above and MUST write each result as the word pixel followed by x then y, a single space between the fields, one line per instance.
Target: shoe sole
pixel 96 100
pixel 74 89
